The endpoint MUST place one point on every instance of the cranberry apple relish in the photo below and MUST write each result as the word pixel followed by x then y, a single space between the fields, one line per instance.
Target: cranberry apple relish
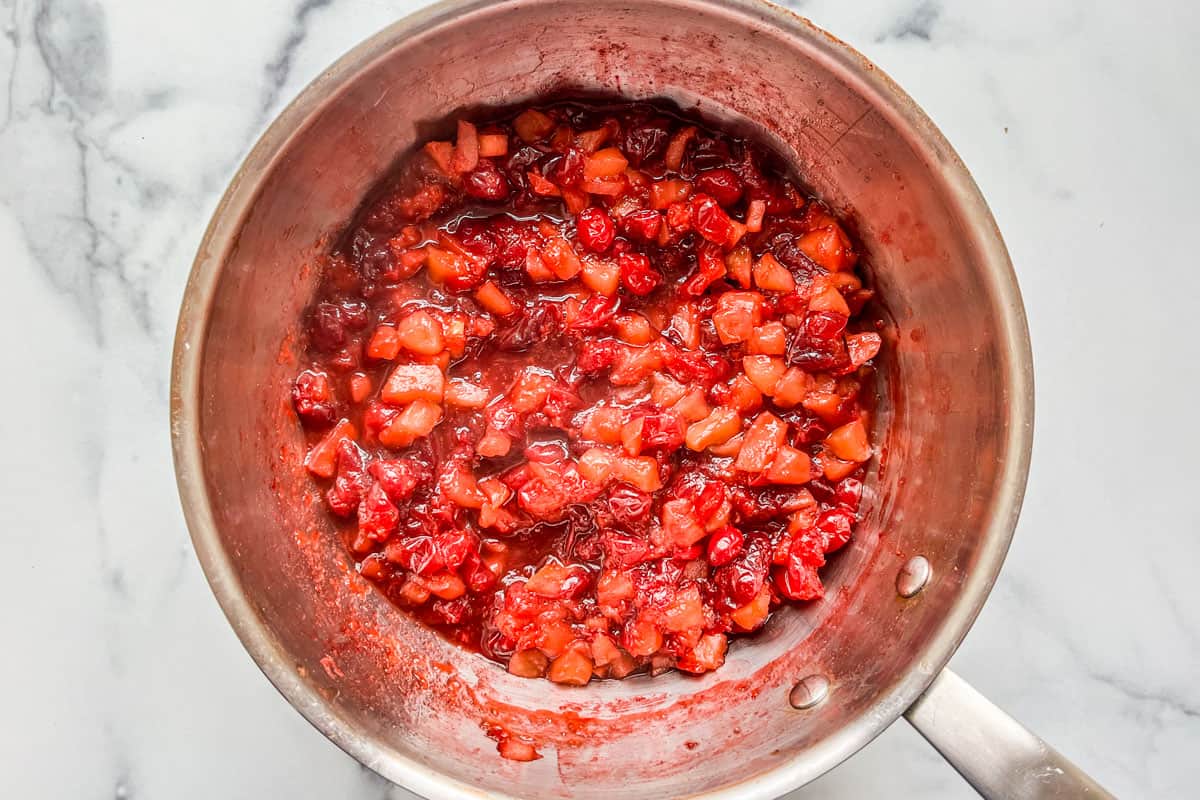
pixel 587 390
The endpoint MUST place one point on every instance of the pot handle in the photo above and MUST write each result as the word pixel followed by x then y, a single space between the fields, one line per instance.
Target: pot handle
pixel 994 752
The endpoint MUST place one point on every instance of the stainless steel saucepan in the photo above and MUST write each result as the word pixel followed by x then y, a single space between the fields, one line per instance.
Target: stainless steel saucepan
pixel 955 421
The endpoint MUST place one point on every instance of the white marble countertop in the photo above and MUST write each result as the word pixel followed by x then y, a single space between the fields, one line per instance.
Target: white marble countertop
pixel 120 123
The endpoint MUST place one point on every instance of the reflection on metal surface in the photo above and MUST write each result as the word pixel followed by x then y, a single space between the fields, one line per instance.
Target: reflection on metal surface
pixel 913 576
pixel 809 692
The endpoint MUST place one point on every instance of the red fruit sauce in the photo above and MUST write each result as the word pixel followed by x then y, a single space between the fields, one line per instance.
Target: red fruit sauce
pixel 587 391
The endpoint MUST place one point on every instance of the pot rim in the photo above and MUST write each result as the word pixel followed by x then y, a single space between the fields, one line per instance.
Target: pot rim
pixel 885 97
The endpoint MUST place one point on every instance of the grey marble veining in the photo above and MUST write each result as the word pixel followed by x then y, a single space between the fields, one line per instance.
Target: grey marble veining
pixel 121 122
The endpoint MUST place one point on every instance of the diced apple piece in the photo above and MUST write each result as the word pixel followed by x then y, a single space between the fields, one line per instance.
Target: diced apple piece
pixel 685 612
pixel 707 655
pixel 493 145
pixel 677 147
pixel 493 444
pixel 321 460
pixel 461 393
pixel 862 347
pixel 421 333
pixel 829 247
pixel 791 466
pixel 612 589
pixel 755 211
pixel 638 471
pixel 693 406
pixel 717 428
pixel 764 372
pixel 835 469
pixel 737 315
pixel 680 524
pixel 466 148
pixel 409 382
pixel 752 615
pixel 457 483
pixel 850 442
pixel 573 667
pixel 453 269
pixel 555 637
pixel 445 585
pixel 826 297
pixel 384 344
pixel 528 663
pixel 601 275
pixel 492 298
pixel 761 443
pixel 665 391
pixel 360 387
pixel 729 449
pixel 768 339
pixel 442 154
pixel 772 276
pixel 418 419
pixel 664 193
pixel 642 638
pixel 560 257
pixel 604 650
pixel 530 391
pixel 744 395
pixel 634 329
pixel 792 388
pixel 597 465
pixel 631 436
pixel 738 265
pixel 603 164
pixel 604 425
pixel 532 125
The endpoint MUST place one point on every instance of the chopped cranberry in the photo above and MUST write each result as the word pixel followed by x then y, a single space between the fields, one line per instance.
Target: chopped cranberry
pixel 377 517
pixel 710 220
pixel 567 170
pixel 351 482
pixel 642 225
pixel 595 229
pixel 312 397
pixel 849 493
pixel 721 183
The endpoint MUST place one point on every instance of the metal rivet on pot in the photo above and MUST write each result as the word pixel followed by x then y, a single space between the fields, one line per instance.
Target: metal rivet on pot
pixel 913 576
pixel 809 692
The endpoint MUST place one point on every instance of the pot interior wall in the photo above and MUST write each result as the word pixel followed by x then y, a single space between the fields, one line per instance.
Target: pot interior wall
pixel 392 692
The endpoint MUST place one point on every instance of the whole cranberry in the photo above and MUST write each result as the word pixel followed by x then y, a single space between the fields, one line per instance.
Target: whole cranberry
pixel 835 526
pixel 327 327
pixel 595 229
pixel 568 169
pixel 637 275
pixel 724 546
pixel 646 140
pixel 722 183
pixel 486 182
pixel 629 506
